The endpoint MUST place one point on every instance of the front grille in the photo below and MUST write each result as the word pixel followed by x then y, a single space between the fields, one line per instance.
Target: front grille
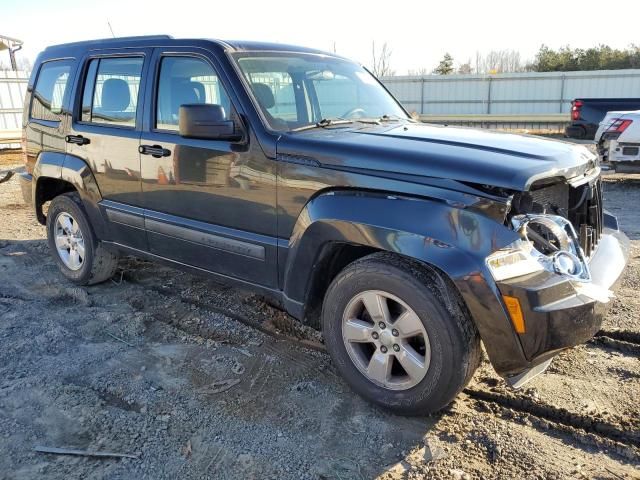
pixel 586 215
pixel 581 205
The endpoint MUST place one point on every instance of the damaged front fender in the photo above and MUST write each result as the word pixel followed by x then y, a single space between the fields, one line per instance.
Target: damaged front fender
pixel 453 237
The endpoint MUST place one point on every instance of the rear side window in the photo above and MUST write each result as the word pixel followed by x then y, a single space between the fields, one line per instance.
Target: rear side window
pixel 111 89
pixel 50 89
pixel 183 81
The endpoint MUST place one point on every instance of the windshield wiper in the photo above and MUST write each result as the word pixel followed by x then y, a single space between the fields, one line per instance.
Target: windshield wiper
pixel 325 122
pixel 391 118
pixel 329 122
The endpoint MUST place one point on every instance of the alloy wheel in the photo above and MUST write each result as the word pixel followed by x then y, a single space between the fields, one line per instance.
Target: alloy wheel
pixel 386 340
pixel 69 241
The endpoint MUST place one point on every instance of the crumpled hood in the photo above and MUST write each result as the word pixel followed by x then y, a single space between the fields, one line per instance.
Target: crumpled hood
pixel 463 154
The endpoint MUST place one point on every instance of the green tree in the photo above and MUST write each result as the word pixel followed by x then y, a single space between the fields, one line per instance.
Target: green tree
pixel 445 67
pixel 602 57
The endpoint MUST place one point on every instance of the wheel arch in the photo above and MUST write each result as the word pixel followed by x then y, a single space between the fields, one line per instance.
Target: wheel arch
pixel 57 173
pixel 334 230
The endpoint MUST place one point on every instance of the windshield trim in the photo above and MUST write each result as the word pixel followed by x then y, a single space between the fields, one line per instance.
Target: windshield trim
pixel 233 56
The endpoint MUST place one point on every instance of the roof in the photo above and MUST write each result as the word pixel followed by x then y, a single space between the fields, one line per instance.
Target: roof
pixel 246 46
pixel 110 41
pixel 154 40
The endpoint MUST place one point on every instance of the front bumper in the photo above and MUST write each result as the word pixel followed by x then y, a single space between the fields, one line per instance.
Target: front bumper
pixel 26 185
pixel 560 312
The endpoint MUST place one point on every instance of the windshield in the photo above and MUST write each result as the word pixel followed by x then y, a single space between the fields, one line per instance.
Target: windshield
pixel 294 90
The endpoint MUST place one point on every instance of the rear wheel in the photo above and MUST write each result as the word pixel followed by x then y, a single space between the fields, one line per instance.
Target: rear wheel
pixel 78 253
pixel 399 335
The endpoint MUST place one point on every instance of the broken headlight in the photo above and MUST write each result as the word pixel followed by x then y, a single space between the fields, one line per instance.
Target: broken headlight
pixel 547 242
pixel 512 261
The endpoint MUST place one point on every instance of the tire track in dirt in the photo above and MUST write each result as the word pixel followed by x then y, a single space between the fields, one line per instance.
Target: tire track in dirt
pixel 585 428
pixel 623 346
pixel 622 335
pixel 558 416
pixel 265 327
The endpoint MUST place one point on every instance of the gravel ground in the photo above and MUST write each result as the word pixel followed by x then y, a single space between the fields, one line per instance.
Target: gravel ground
pixel 202 381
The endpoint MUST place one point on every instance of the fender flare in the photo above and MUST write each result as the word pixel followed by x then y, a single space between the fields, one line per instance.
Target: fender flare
pixel 75 171
pixel 454 239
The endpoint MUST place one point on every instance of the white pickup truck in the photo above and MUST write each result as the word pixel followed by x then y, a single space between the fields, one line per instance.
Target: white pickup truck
pixel 618 139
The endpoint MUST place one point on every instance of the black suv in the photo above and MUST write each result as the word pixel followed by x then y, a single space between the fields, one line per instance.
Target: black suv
pixel 294 172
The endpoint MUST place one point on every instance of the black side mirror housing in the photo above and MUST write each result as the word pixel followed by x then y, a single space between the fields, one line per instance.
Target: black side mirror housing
pixel 202 120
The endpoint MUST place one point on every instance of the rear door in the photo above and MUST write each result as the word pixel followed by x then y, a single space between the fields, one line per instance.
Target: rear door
pixel 105 133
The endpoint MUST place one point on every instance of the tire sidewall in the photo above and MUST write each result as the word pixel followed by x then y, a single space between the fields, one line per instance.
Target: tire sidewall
pixel 66 204
pixel 440 384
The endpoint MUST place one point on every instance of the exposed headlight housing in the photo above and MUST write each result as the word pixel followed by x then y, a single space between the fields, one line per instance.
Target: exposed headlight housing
pixel 547 242
pixel 515 260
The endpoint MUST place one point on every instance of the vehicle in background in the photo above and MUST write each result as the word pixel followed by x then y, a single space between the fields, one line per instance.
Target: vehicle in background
pixel 618 139
pixel 587 113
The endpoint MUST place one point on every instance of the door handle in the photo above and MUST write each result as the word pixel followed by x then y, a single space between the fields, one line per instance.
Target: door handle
pixel 77 139
pixel 156 151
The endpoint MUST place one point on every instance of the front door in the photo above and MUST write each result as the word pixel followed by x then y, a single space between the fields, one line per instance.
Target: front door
pixel 208 203
pixel 105 133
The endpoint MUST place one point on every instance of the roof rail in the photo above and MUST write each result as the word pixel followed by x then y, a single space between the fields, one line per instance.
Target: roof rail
pixel 112 40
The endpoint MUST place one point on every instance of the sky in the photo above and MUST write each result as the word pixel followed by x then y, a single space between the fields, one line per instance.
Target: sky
pixel 417 32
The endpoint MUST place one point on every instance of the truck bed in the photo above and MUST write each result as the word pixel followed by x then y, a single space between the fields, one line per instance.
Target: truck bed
pixel 591 111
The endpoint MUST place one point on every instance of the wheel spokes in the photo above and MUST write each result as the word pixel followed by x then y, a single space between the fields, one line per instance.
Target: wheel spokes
pixel 74 259
pixel 65 223
pixel 386 340
pixel 80 249
pixel 379 368
pixel 62 241
pixel 408 324
pixel 376 306
pixel 356 330
pixel 412 362
pixel 69 241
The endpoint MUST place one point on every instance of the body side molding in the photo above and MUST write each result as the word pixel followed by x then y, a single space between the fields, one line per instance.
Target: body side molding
pixel 201 233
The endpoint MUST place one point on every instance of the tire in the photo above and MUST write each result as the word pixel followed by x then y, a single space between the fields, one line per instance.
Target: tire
pixel 449 336
pixel 96 264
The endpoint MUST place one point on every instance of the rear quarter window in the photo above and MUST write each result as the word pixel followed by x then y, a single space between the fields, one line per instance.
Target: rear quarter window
pixel 111 90
pixel 48 94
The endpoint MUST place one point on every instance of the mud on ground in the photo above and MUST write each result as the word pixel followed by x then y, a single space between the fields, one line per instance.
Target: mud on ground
pixel 203 381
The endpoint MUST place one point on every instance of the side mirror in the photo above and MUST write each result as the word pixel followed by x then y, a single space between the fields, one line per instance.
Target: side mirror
pixel 201 120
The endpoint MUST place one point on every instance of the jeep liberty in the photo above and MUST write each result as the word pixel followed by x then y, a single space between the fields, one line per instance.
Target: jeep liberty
pixel 295 174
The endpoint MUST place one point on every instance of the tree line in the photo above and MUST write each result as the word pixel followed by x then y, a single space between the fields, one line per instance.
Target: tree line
pixel 564 59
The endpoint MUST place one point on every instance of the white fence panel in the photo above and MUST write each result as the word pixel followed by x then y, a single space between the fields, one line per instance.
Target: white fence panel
pixel 533 93
pixel 13 87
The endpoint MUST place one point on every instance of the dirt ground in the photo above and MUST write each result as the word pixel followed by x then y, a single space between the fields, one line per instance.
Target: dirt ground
pixel 201 381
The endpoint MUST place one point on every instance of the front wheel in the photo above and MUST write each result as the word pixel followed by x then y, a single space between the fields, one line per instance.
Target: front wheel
pixel 76 250
pixel 399 335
